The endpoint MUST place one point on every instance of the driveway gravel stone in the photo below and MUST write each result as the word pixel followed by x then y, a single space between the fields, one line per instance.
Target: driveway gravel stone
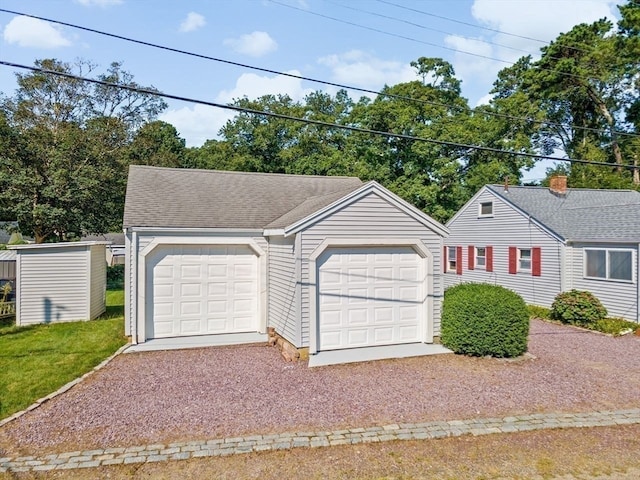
pixel 177 396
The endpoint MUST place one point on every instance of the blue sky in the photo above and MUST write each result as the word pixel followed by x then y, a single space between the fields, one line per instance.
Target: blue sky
pixel 366 43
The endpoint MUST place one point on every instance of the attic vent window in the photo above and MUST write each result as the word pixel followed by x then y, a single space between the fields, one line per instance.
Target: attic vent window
pixel 486 209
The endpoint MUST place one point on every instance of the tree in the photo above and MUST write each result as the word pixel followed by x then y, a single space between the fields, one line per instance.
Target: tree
pixel 157 143
pixel 580 97
pixel 62 168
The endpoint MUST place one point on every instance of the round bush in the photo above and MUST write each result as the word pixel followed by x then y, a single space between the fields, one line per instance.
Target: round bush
pixel 577 307
pixel 481 319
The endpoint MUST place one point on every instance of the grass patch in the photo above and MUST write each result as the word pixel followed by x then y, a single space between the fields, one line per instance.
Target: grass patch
pixel 36 360
pixel 536 311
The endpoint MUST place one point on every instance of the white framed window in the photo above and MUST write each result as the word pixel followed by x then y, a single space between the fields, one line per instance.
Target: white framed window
pixel 452 260
pixel 608 264
pixel 485 209
pixel 481 258
pixel 524 259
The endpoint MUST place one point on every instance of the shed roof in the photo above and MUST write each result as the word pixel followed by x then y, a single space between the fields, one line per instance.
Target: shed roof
pixel 581 214
pixel 192 198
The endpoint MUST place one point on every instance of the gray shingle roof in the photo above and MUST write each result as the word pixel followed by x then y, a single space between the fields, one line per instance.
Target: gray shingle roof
pixel 190 198
pixel 582 214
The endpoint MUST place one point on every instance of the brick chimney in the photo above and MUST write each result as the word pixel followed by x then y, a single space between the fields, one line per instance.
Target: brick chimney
pixel 558 185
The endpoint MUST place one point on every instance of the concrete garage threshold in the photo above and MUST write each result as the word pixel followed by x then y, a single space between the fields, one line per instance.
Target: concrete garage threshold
pixel 198 341
pixel 365 354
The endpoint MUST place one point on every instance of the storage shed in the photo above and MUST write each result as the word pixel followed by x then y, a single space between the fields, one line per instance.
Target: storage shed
pixel 60 282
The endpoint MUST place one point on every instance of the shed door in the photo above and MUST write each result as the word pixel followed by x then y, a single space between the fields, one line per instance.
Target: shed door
pixel 370 297
pixel 202 290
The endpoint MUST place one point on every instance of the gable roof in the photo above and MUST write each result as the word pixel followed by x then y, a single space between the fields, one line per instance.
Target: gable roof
pixel 192 198
pixel 582 214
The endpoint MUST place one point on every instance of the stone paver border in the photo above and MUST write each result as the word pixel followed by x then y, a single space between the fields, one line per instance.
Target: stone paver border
pixel 285 441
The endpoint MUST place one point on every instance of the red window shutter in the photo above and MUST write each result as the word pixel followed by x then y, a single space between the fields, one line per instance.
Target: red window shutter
pixel 459 260
pixel 472 256
pixel 536 262
pixel 489 259
pixel 513 260
pixel 444 259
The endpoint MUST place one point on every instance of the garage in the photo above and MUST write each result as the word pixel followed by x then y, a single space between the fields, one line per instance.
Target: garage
pixel 202 290
pixel 370 297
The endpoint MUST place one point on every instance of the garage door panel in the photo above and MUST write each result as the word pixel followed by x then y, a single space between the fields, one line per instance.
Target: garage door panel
pixel 203 290
pixel 369 296
pixel 383 336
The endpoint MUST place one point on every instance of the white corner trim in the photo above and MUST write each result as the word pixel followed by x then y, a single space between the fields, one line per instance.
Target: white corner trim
pixel 249 242
pixel 414 243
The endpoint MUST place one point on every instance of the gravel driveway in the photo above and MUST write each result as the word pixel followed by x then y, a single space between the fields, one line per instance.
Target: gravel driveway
pixel 160 397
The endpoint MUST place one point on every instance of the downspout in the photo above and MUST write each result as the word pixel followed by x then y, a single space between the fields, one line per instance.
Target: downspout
pixel 638 285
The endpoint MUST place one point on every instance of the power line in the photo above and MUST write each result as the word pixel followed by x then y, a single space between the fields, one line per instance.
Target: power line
pixel 480 40
pixel 310 79
pixel 424 27
pixel 306 121
pixel 411 39
pixel 461 22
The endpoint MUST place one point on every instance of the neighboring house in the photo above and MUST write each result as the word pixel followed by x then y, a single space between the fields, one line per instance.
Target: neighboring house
pixel 542 241
pixel 330 263
pixel 115 248
pixel 60 282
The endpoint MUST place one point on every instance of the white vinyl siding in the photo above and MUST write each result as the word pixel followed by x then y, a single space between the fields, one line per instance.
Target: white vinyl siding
pixel 619 297
pixel 98 281
pixel 507 228
pixel 283 289
pixel 372 218
pixel 55 283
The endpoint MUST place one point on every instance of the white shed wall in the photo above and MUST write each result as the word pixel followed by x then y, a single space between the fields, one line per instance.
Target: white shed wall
pixel 98 280
pixel 508 227
pixel 55 284
pixel 370 217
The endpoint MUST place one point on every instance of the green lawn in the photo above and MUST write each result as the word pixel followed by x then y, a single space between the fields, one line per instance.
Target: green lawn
pixel 37 360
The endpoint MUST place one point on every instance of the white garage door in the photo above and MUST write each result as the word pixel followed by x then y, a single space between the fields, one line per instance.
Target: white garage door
pixel 369 297
pixel 202 290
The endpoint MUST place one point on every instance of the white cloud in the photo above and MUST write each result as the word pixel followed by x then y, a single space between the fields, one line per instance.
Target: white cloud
pixel 194 21
pixel 99 3
pixel 199 123
pixel 31 32
pixel 363 70
pixel 254 44
pixel 530 20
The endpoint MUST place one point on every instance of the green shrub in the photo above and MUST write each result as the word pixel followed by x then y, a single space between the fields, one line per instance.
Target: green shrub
pixel 577 307
pixel 536 311
pixel 481 319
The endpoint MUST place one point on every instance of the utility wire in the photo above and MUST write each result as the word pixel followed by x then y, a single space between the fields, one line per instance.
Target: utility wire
pixel 411 39
pixel 351 128
pixel 310 79
pixel 480 40
pixel 424 27
pixel 461 22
